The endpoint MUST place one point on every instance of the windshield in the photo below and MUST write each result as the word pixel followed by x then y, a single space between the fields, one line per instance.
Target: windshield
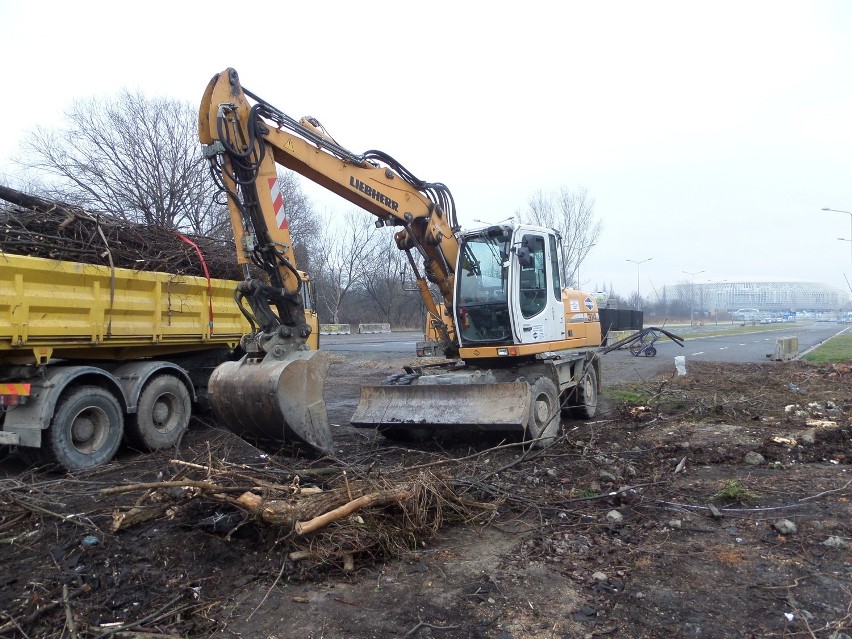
pixel 483 284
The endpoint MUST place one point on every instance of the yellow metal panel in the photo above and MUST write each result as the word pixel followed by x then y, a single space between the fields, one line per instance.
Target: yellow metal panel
pixel 67 305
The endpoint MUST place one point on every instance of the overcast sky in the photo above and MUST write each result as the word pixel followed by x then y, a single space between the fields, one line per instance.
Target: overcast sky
pixel 709 134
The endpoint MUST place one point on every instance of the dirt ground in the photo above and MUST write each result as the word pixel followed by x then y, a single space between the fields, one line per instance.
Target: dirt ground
pixel 716 504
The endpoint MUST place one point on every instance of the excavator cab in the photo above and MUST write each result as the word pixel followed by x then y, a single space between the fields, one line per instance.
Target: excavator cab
pixel 508 287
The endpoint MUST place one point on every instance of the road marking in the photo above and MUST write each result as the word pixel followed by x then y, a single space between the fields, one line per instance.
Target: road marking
pixel 742 345
pixel 721 348
pixel 699 353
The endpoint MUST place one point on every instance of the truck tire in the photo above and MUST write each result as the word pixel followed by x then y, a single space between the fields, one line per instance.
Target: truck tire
pixel 587 394
pixel 86 429
pixel 162 415
pixel 544 418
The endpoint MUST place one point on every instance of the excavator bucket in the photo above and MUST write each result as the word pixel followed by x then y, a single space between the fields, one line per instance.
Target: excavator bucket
pixel 274 401
pixel 444 408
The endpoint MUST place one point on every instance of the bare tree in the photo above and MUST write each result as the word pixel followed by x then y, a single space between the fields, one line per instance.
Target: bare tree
pixel 302 219
pixel 345 252
pixel 384 284
pixel 131 156
pixel 571 213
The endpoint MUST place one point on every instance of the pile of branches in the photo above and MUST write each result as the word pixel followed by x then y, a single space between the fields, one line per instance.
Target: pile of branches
pixel 310 520
pixel 38 227
pixel 354 516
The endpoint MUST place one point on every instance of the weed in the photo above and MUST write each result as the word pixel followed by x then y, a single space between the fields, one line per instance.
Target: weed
pixel 629 394
pixel 732 492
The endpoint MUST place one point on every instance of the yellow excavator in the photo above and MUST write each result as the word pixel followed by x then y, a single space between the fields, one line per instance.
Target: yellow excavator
pixel 520 347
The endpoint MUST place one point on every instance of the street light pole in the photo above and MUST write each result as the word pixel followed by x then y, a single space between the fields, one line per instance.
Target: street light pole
pixel 692 295
pixel 638 295
pixel 825 208
pixel 581 254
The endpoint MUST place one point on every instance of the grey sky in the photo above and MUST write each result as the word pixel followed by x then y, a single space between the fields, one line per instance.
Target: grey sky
pixel 709 134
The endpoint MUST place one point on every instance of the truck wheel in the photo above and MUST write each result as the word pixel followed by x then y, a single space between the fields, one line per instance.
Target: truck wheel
pixel 86 429
pixel 544 413
pixel 162 415
pixel 587 394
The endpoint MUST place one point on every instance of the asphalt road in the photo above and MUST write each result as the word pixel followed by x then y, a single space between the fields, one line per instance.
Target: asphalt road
pixel 750 346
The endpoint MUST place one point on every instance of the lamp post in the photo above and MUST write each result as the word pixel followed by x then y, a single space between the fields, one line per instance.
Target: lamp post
pixel 825 208
pixel 692 295
pixel 582 253
pixel 638 295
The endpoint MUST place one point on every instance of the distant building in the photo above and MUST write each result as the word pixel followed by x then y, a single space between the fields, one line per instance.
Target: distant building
pixel 766 297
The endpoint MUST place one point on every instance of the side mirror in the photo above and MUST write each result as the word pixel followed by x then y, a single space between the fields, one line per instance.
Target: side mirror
pixel 524 257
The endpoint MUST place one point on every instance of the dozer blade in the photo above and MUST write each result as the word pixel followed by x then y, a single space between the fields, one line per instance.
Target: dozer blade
pixel 274 401
pixel 444 407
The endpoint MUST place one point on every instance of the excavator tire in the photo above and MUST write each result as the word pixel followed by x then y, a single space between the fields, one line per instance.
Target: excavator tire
pixel 544 419
pixel 587 394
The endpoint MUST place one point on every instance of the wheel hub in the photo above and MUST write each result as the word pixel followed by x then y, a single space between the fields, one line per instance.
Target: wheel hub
pixel 161 411
pixel 542 410
pixel 83 429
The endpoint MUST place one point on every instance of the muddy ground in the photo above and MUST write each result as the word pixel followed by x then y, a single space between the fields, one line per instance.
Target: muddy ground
pixel 711 505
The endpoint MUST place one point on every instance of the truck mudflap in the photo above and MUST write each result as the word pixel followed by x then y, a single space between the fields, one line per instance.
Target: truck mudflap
pixel 503 406
pixel 276 401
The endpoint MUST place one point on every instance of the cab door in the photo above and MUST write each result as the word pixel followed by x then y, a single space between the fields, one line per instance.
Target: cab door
pixel 538 313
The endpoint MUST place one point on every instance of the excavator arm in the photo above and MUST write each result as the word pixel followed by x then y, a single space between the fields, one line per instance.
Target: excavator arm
pixel 246 138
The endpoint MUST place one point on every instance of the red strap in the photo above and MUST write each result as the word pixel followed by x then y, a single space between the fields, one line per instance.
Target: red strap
pixel 206 274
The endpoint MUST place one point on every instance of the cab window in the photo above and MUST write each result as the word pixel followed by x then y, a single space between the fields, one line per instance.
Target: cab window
pixel 533 278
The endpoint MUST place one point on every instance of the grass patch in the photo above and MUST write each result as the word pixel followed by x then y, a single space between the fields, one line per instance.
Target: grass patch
pixel 733 493
pixel 836 349
pixel 627 395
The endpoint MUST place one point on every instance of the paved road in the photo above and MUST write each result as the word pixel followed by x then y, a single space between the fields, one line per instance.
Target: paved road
pixel 745 347
pixel 741 347
pixel 400 343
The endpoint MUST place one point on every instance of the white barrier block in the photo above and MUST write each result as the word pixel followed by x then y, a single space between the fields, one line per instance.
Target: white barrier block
pixel 335 329
pixel 786 348
pixel 374 328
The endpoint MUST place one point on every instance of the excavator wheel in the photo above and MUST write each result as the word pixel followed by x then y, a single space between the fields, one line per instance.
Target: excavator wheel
pixel 587 394
pixel 544 416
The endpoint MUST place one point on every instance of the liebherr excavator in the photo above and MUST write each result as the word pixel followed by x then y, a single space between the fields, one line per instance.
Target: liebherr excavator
pixel 521 347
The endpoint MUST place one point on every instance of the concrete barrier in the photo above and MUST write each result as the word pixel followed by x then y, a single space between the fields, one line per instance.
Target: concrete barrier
pixel 335 329
pixel 786 348
pixel 374 328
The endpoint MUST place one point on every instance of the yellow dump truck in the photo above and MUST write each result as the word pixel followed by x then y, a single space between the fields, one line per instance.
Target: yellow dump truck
pixel 92 355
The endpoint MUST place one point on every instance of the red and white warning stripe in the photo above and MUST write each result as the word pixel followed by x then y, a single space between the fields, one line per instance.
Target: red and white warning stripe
pixel 277 203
